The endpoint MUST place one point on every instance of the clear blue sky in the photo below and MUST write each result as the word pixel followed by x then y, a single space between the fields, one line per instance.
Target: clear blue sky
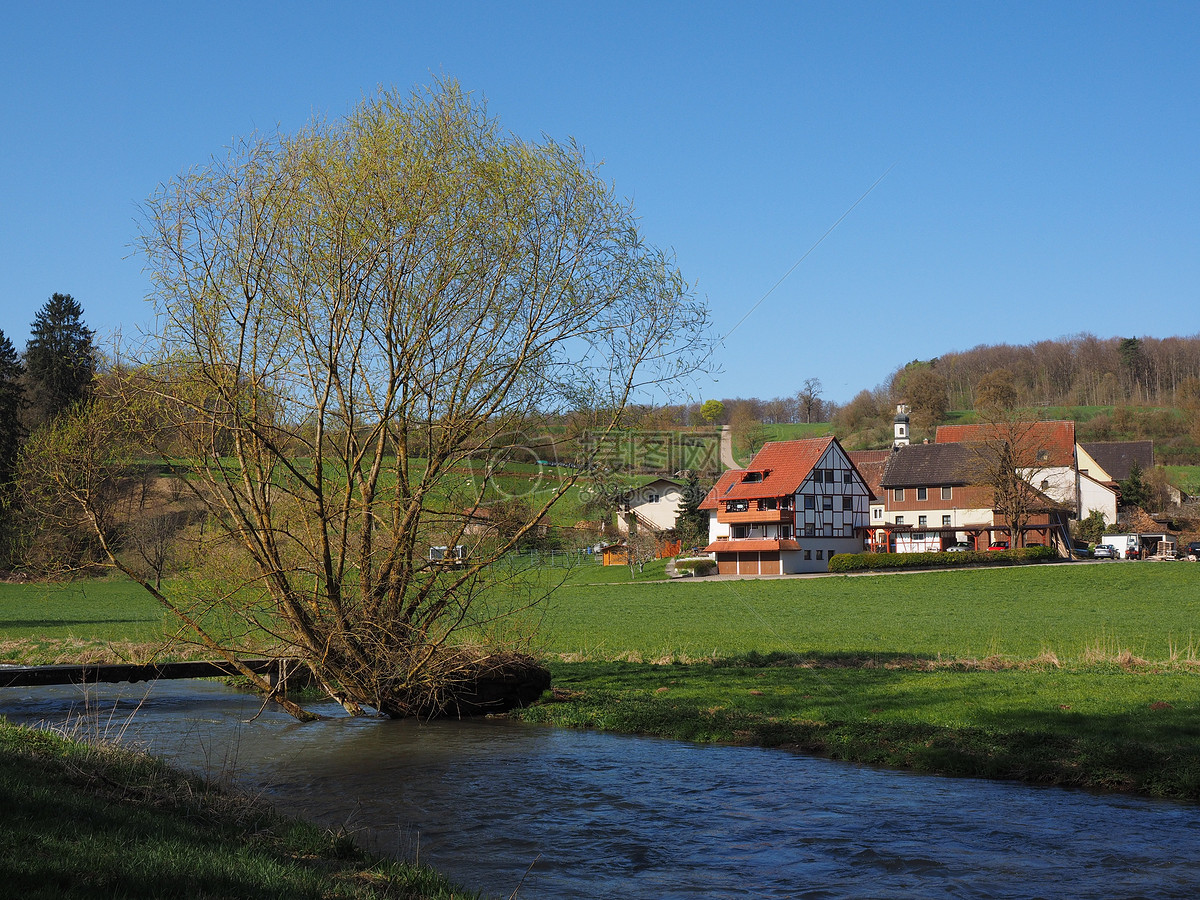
pixel 1044 157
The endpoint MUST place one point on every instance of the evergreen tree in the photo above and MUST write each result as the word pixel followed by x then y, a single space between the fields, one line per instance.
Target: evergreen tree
pixel 12 399
pixel 59 358
pixel 691 522
pixel 1134 491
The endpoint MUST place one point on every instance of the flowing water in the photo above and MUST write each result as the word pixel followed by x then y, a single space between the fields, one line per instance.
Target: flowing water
pixel 578 814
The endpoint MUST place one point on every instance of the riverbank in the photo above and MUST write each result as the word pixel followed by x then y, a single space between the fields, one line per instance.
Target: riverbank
pixel 1105 727
pixel 84 821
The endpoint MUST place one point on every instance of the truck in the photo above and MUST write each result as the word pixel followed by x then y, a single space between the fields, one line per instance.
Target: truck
pixel 1128 546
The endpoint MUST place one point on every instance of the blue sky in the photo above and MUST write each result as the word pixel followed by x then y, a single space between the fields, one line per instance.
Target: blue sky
pixel 1043 159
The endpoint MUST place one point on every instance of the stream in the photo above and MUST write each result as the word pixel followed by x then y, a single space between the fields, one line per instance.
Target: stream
pixel 500 806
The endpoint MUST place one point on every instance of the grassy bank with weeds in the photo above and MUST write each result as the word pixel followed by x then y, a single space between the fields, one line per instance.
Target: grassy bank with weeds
pixel 80 821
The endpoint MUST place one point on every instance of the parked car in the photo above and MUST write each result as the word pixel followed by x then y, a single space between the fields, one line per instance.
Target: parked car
pixel 958 548
pixel 998 545
pixel 1193 550
pixel 1104 551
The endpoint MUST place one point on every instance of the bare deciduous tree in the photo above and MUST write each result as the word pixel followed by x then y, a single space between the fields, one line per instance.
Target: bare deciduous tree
pixel 360 323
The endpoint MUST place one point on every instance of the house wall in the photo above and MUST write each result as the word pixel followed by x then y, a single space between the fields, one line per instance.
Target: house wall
pixel 815 554
pixel 1059 483
pixel 660 512
pixel 1093 495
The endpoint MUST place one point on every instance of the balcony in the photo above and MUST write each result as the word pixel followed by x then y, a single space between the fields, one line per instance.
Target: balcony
pixel 766 516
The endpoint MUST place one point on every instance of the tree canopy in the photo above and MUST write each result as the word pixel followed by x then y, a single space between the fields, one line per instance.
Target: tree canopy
pixel 361 324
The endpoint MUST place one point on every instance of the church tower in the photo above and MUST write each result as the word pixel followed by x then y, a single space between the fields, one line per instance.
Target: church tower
pixel 900 427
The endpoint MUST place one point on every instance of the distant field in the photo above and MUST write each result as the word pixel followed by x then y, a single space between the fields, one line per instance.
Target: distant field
pixel 1078 611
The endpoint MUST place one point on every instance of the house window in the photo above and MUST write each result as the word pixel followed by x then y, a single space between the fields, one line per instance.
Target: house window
pixel 785 502
pixel 810 530
pixel 752 477
pixel 810 502
pixel 737 505
pixel 847 503
pixel 808 554
pixel 819 553
pixel 922 521
pixel 945 520
pixel 738 532
pixel 878 513
pixel 899 495
pixel 899 520
pixel 829 476
pixel 767 504
pixel 922 493
pixel 947 493
pixel 826 503
pixel 654 498
pixel 785 532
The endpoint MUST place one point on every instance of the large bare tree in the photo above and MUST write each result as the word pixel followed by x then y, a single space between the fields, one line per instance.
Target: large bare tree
pixel 360 323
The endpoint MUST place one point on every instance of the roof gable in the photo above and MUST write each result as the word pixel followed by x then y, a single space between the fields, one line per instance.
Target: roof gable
pixel 1116 458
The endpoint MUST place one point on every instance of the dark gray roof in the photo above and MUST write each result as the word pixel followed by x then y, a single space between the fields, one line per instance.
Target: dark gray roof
pixel 920 465
pixel 1117 457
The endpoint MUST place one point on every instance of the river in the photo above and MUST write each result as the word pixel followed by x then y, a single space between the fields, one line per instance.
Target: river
pixel 579 814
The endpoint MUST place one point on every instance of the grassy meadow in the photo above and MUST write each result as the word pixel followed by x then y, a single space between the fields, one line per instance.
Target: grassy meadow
pixel 1084 674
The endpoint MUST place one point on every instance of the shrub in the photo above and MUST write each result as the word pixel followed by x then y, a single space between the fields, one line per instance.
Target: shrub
pixel 696 565
pixel 867 562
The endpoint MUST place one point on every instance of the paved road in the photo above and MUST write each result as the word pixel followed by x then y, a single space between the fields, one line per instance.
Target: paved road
pixel 727 459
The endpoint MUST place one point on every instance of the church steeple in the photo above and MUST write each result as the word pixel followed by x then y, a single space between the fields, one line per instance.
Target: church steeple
pixel 900 427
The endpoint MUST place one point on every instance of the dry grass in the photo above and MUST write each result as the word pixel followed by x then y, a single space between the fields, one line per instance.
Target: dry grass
pixel 78 651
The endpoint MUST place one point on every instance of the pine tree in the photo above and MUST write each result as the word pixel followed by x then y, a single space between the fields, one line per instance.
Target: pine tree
pixel 691 522
pixel 1133 489
pixel 12 399
pixel 59 358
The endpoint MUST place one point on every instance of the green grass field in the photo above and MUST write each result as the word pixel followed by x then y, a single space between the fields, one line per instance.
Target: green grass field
pixel 1151 610
pixel 1083 674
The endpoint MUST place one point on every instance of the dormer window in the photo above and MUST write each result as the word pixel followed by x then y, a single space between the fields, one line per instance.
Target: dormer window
pixel 752 477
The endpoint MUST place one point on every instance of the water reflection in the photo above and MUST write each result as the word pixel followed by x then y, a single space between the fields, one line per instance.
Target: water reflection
pixel 582 814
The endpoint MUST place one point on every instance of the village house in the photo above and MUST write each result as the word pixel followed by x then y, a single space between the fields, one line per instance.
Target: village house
pixel 791 510
pixel 653 505
pixel 932 500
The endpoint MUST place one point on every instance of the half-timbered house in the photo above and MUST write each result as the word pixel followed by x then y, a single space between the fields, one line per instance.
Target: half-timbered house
pixel 793 508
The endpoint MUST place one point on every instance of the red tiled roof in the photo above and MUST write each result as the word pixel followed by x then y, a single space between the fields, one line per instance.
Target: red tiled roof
pixel 1058 438
pixel 750 546
pixel 728 479
pixel 784 466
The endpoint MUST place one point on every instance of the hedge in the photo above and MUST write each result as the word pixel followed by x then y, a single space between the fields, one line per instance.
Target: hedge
pixel 866 562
